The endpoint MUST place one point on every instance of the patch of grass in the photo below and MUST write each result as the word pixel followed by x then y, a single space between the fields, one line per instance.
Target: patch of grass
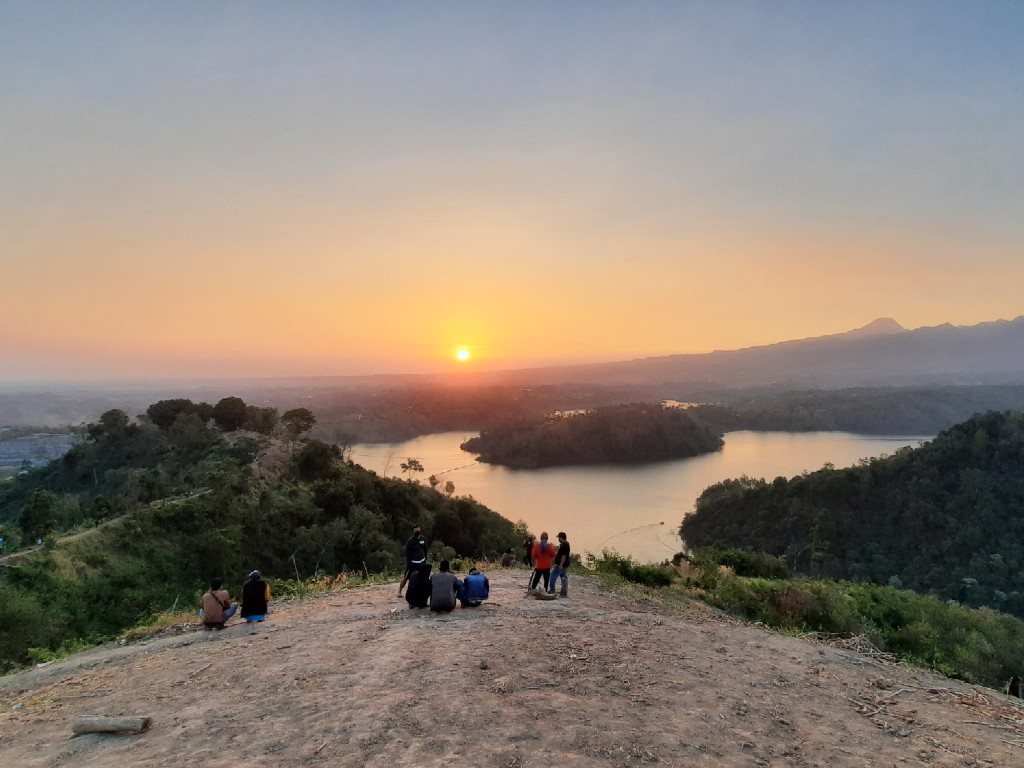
pixel 157 623
pixel 67 648
pixel 626 569
pixel 976 645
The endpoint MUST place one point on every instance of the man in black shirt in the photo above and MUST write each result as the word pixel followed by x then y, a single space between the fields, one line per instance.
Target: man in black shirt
pixel 561 566
pixel 415 555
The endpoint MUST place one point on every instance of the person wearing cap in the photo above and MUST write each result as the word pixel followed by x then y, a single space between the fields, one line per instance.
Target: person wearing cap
pixel 255 598
pixel 415 555
pixel 560 568
pixel 216 606
pixel 543 555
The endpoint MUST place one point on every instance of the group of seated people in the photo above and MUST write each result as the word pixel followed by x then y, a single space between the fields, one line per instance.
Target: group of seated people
pixel 442 589
pixel 216 608
pixel 439 591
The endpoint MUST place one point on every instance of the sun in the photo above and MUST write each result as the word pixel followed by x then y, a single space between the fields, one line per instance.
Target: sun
pixel 462 355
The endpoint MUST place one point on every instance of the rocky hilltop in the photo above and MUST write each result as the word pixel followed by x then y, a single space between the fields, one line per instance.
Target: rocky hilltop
pixel 603 678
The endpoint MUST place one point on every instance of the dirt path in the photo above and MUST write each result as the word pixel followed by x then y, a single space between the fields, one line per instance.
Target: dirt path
pixel 355 678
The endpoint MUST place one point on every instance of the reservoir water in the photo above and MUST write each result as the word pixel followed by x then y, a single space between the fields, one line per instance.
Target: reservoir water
pixel 634 510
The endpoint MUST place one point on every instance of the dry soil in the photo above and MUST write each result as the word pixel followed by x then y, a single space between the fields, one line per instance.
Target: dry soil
pixel 603 678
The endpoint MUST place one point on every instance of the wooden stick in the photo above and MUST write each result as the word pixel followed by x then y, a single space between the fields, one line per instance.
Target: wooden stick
pixel 110 724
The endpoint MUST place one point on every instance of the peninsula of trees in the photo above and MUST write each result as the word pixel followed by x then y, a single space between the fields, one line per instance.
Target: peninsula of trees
pixel 944 519
pixel 619 434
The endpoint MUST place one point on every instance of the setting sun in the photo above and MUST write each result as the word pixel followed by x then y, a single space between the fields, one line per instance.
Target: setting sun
pixel 462 355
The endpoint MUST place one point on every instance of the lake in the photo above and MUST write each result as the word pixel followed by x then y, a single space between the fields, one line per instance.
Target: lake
pixel 635 510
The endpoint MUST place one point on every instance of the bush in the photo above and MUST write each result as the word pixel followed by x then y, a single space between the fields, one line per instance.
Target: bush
pixel 743 563
pixel 977 645
pixel 627 569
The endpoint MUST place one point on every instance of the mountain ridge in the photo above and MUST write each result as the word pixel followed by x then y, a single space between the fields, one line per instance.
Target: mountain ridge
pixel 881 353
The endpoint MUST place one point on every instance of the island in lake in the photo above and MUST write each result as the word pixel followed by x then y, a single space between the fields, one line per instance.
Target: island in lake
pixel 621 434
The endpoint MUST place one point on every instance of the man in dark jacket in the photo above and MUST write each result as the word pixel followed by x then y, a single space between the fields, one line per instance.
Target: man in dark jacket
pixel 415 555
pixel 475 589
pixel 560 568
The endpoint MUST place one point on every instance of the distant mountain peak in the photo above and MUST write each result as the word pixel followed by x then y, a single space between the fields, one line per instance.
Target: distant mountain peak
pixel 883 326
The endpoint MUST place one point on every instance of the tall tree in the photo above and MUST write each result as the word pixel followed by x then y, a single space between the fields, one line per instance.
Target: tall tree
pixel 229 413
pixel 297 421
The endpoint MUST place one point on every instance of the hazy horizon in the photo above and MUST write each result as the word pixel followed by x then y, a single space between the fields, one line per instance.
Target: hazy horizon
pixel 196 192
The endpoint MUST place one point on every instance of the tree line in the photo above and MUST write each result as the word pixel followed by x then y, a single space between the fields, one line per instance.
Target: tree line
pixel 192 502
pixel 943 519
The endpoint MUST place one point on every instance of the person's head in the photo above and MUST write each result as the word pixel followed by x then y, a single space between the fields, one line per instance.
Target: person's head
pixel 445 566
pixel 508 551
pixel 416 531
pixel 255 576
pixel 544 536
pixel 561 535
pixel 216 584
pixel 473 570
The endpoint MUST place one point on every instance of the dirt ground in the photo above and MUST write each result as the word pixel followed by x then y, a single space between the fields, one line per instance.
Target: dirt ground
pixel 356 678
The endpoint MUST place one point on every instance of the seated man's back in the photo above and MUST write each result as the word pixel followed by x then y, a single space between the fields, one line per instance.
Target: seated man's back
pixel 475 590
pixel 444 586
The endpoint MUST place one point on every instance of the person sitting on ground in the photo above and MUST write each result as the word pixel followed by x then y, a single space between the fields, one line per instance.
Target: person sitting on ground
pixel 417 592
pixel 475 589
pixel 1013 688
pixel 216 606
pixel 444 587
pixel 507 558
pixel 255 598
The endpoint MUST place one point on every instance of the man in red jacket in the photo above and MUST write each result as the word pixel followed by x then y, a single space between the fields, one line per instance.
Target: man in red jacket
pixel 543 556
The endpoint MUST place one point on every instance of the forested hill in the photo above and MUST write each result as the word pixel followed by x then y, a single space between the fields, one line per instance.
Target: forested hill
pixel 946 518
pixel 619 434
pixel 184 497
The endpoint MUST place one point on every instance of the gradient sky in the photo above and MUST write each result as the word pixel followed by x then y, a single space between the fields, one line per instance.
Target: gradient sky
pixel 303 188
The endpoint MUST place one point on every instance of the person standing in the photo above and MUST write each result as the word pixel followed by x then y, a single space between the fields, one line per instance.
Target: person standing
pixel 444 587
pixel 255 598
pixel 528 551
pixel 543 555
pixel 560 568
pixel 415 555
pixel 216 606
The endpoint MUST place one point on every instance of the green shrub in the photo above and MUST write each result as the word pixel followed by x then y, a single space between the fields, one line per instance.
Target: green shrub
pixel 978 645
pixel 627 569
pixel 744 563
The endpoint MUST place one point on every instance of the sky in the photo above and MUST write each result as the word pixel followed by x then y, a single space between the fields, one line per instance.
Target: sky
pixel 197 189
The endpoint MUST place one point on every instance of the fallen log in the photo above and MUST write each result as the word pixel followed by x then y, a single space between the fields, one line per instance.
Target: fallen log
pixel 82 725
